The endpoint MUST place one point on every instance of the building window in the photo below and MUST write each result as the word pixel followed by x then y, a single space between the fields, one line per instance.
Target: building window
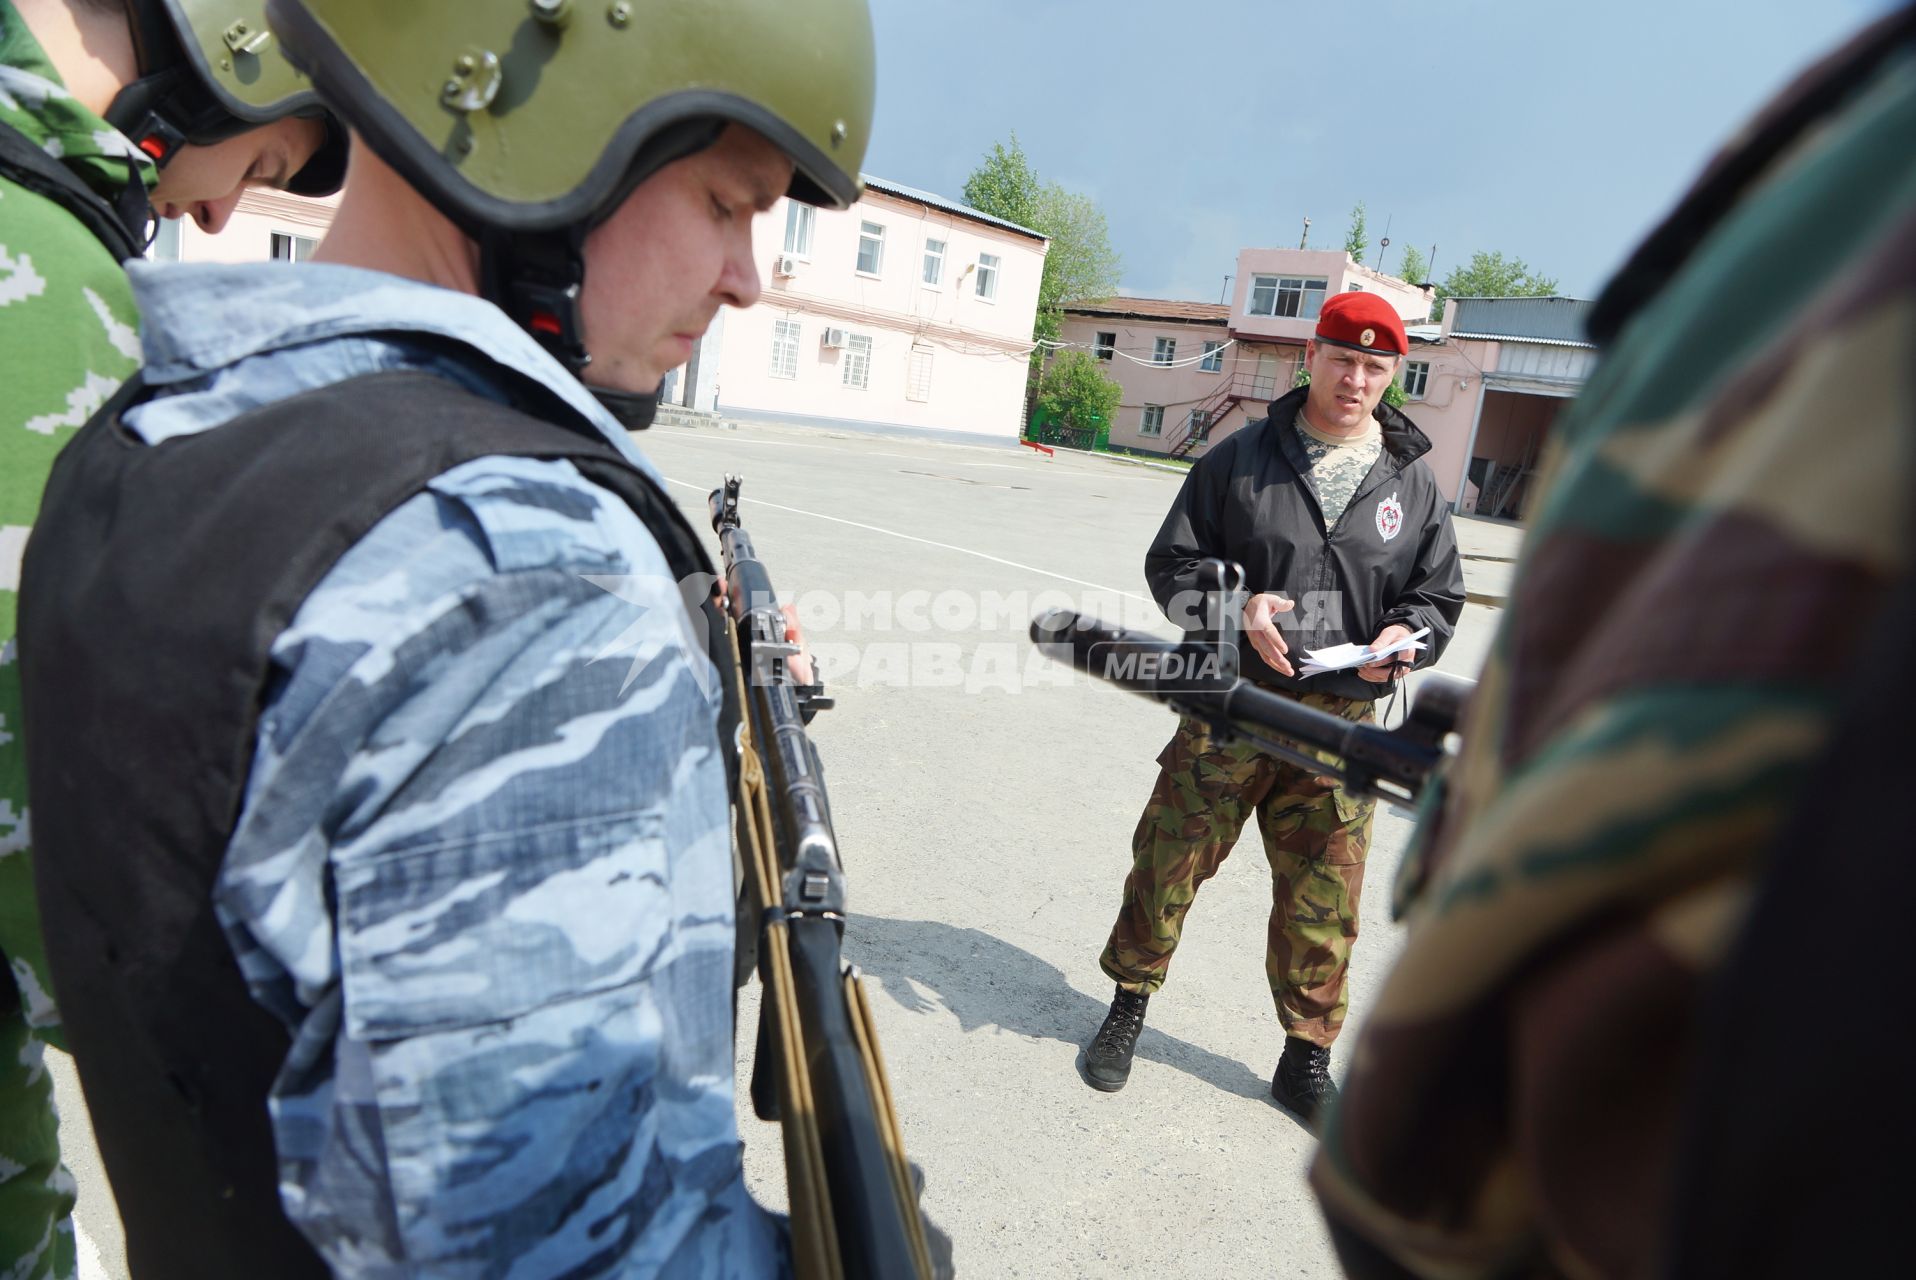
pixel 1213 361
pixel 858 361
pixel 798 229
pixel 934 263
pixel 785 348
pixel 1200 422
pixel 988 276
pixel 1292 297
pixel 291 248
pixel 918 376
pixel 1416 378
pixel 871 248
pixel 1105 345
pixel 1164 351
pixel 166 241
pixel 1153 422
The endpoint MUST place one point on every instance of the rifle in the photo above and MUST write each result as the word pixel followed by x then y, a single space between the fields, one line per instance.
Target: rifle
pixel 818 1069
pixel 1198 677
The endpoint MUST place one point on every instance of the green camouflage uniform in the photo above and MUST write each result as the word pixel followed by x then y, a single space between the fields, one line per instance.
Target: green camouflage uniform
pixel 1315 834
pixel 1726 512
pixel 67 339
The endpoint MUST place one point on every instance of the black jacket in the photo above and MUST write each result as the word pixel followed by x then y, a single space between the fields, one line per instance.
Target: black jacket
pixel 1390 558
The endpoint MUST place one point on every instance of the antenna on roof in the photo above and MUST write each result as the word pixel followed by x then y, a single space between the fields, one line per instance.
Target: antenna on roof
pixel 1307 234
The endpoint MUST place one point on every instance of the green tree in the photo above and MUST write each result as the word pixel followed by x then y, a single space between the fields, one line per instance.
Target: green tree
pixel 1079 262
pixel 1075 391
pixel 1491 275
pixel 1413 268
pixel 1357 239
pixel 1005 185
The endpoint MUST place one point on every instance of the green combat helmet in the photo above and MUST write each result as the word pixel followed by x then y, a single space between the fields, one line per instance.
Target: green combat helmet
pixel 209 70
pixel 526 122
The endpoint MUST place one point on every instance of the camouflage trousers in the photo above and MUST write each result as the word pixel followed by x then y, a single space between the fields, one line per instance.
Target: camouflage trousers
pixel 1315 837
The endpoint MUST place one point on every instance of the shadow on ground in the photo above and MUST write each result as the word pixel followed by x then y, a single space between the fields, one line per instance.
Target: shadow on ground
pixel 987 982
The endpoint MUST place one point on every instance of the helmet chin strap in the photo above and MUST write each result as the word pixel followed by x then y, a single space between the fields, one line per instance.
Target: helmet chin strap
pixel 536 279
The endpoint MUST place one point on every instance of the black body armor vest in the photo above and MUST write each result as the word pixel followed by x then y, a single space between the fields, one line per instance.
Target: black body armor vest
pixel 155 583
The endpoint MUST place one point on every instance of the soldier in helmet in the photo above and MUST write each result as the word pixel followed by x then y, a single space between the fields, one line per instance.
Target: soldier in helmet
pixel 397 928
pixel 109 112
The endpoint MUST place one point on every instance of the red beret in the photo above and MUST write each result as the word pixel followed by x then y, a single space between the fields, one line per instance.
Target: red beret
pixel 1363 322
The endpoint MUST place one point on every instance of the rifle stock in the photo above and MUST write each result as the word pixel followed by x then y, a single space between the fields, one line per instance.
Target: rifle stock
pixel 819 1071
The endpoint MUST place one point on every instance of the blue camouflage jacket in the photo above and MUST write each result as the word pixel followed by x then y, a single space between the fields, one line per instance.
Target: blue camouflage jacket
pixel 483 867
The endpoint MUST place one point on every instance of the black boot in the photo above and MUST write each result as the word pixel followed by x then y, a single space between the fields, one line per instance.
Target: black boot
pixel 1107 1059
pixel 1303 1079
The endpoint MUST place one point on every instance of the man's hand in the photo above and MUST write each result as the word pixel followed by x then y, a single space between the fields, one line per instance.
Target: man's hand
pixel 1395 665
pixel 1260 625
pixel 800 663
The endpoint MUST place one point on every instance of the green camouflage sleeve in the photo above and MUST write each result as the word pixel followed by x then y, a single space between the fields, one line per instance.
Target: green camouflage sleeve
pixel 1726 512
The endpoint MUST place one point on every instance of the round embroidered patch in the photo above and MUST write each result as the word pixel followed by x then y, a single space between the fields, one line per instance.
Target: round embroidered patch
pixel 1390 517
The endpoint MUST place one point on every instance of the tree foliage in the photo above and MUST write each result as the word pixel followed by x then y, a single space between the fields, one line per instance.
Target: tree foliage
pixel 1079 262
pixel 1491 275
pixel 1074 390
pixel 1413 269
pixel 1005 185
pixel 1357 239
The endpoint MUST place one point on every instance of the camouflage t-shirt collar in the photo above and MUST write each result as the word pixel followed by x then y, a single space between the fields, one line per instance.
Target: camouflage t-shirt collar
pixel 35 101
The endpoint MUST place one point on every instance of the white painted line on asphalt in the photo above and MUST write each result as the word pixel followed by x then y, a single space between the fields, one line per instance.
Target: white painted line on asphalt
pixel 912 537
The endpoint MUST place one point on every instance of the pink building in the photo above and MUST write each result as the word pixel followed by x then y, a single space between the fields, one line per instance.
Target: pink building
pixel 1260 338
pixel 906 310
pixel 1169 358
pixel 265 224
pixel 1487 385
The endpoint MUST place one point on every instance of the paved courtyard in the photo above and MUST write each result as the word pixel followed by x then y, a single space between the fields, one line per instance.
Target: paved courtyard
pixel 985 801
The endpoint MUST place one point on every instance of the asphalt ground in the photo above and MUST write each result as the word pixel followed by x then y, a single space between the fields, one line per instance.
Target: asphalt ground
pixel 984 800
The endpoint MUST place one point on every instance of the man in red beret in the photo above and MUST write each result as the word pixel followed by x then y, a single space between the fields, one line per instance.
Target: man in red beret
pixel 1344 537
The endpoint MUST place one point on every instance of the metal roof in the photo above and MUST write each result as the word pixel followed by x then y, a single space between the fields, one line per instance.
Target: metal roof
pixel 1151 309
pixel 904 192
pixel 1555 321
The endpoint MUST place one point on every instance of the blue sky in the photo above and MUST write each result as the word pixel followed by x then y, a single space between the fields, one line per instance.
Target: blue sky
pixel 1555 132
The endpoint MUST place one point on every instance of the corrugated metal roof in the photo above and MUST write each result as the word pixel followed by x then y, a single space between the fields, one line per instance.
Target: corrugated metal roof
pixel 904 192
pixel 1558 321
pixel 1151 309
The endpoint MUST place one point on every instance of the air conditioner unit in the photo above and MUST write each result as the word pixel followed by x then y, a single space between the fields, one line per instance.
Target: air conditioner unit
pixel 834 338
pixel 786 265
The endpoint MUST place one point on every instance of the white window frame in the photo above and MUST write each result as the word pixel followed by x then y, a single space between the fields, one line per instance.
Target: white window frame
pixel 858 357
pixel 1213 361
pixel 166 240
pixel 1151 422
pixel 1101 348
pixel 918 373
pixel 1268 286
pixel 1419 371
pixel 872 233
pixel 1301 289
pixel 1164 351
pixel 989 264
pixel 1297 290
pixel 785 339
pixel 932 273
pixel 286 246
pixel 800 219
